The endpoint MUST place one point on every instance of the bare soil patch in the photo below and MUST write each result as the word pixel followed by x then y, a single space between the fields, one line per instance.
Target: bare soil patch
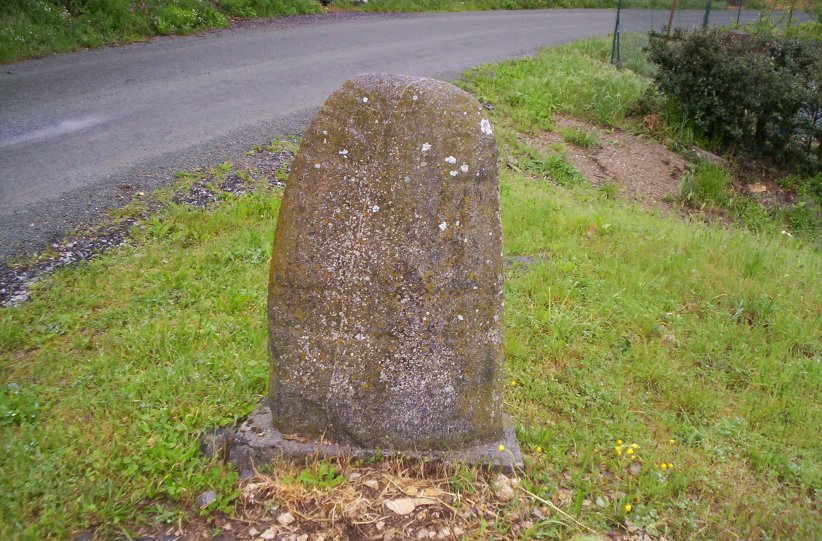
pixel 642 169
pixel 387 500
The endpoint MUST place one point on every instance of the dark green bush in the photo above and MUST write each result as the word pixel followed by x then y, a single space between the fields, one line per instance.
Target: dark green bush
pixel 758 95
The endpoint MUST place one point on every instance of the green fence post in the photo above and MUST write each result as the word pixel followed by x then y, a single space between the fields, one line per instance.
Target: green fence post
pixel 707 15
pixel 615 45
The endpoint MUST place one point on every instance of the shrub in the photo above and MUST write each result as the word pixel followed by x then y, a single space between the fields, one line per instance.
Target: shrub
pixel 757 94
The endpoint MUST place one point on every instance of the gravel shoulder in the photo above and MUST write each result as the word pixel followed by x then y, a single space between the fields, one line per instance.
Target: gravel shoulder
pixel 200 188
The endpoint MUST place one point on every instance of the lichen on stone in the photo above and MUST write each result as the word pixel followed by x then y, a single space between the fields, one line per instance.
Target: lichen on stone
pixel 385 290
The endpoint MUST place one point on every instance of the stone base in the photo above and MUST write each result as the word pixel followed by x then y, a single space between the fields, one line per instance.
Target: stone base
pixel 257 443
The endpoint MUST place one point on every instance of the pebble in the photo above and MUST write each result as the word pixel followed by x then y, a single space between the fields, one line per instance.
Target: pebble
pixel 206 498
pixel 503 487
pixel 285 519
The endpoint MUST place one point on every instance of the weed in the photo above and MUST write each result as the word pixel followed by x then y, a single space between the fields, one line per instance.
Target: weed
pixel 291 145
pixel 282 172
pixel 463 480
pixel 582 138
pixel 19 405
pixel 609 190
pixel 705 186
pixel 321 475
pixel 553 166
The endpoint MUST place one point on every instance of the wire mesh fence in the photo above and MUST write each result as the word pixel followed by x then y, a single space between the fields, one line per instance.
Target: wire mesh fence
pixel 632 25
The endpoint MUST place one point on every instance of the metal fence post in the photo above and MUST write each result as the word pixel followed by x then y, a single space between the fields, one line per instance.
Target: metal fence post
pixel 707 18
pixel 739 13
pixel 615 45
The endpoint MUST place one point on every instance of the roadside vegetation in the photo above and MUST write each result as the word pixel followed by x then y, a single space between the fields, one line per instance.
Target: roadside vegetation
pixel 471 5
pixel 663 372
pixel 32 28
pixel 530 92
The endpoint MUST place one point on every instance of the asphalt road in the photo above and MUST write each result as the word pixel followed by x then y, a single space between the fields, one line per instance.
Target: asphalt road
pixel 74 127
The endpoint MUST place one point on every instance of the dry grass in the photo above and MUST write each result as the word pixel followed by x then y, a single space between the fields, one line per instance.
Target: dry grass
pixel 389 499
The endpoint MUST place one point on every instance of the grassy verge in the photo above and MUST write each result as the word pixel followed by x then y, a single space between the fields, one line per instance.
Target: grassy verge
pixel 40 27
pixel 576 80
pixel 698 343
pixel 473 5
pixel 30 28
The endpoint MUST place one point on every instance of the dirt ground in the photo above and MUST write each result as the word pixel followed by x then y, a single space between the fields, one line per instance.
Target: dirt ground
pixel 388 500
pixel 642 169
pixel 647 171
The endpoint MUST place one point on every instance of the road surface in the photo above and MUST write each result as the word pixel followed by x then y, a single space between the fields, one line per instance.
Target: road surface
pixel 74 127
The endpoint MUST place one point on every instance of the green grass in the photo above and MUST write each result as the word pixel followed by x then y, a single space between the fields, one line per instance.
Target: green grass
pixel 570 79
pixel 576 80
pixel 631 326
pixel 126 375
pixel 581 138
pixel 705 185
pixel 628 325
pixel 39 27
pixel 472 5
pixel 644 328
pixel 31 28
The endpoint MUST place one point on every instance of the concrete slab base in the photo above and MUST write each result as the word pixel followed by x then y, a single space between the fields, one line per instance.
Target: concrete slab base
pixel 257 442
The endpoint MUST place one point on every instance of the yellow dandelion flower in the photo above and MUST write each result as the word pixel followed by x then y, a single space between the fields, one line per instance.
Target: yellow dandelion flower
pixel 672 441
pixel 635 446
pixel 513 383
pixel 663 466
pixel 630 451
pixel 670 466
pixel 619 442
pixel 618 450
pixel 628 507
pixel 501 447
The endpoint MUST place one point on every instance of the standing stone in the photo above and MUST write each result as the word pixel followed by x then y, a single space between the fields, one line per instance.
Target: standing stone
pixel 386 288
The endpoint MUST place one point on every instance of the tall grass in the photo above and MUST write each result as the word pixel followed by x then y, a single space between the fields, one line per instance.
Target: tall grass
pixel 706 185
